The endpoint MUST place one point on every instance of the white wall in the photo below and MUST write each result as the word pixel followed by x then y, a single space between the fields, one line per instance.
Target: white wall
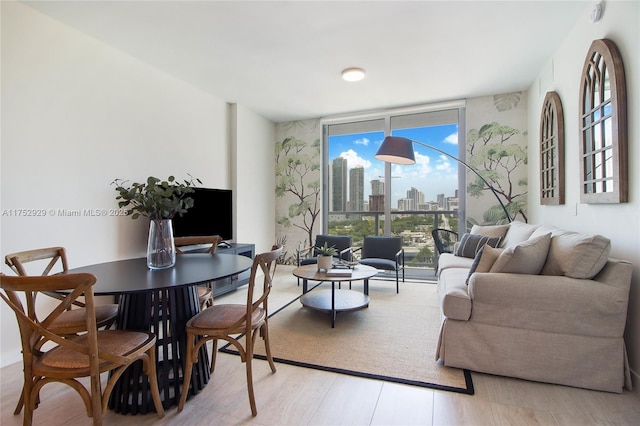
pixel 619 222
pixel 76 114
pixel 254 178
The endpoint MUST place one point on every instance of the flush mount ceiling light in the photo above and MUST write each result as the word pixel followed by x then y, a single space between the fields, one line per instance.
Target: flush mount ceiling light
pixel 353 74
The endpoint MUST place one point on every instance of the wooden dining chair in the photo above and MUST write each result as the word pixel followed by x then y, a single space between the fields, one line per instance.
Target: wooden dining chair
pixel 205 292
pixel 71 321
pixel 230 322
pixel 85 355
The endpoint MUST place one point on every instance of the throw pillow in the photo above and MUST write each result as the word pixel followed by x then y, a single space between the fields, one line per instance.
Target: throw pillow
pixel 518 232
pixel 576 255
pixel 524 258
pixel 490 230
pixel 470 244
pixel 484 260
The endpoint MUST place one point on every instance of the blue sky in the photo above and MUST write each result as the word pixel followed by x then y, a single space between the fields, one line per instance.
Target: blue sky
pixel 432 174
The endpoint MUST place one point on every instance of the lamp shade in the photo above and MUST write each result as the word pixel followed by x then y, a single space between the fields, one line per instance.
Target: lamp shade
pixel 398 150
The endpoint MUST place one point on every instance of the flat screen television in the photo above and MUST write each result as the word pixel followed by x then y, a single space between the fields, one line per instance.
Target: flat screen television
pixel 211 214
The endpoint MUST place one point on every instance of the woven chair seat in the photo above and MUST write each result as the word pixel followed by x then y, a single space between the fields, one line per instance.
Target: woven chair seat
pixel 116 342
pixel 73 321
pixel 222 317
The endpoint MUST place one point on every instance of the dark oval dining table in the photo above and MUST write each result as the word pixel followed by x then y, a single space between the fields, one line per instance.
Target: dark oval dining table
pixel 160 301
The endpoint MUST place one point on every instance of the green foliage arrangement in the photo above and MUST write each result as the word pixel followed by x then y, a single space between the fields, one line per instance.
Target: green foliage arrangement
pixel 325 250
pixel 156 199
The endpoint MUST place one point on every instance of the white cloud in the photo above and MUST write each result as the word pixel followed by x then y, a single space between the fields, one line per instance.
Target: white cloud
pixel 354 160
pixel 423 163
pixel 363 141
pixel 452 139
pixel 397 171
pixel 443 164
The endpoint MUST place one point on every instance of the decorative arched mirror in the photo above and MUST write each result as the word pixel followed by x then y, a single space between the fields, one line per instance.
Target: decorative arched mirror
pixel 552 151
pixel 603 126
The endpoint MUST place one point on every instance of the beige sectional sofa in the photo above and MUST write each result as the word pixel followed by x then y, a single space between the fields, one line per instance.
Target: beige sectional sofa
pixel 545 304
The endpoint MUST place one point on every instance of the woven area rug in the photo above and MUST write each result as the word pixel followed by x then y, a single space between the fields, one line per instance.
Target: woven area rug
pixel 394 339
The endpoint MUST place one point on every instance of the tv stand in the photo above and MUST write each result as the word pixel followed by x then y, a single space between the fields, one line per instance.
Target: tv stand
pixel 229 284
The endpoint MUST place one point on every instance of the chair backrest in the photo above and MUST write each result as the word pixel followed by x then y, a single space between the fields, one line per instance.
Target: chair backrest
pixel 266 264
pixel 381 247
pixel 214 240
pixel 444 239
pixel 35 330
pixel 340 242
pixel 55 255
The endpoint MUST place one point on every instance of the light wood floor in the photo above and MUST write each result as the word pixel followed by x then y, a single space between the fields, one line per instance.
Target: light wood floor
pixel 300 396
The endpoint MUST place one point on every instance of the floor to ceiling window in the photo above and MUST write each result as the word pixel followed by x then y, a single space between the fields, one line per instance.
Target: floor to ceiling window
pixel 362 194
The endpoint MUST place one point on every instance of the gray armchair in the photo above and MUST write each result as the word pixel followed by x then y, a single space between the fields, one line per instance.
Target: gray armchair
pixel 342 243
pixel 384 253
pixel 309 255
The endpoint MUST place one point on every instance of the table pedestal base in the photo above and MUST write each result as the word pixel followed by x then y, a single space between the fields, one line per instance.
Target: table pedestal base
pixel 164 313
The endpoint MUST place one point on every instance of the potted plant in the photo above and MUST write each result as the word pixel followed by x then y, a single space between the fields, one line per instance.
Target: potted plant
pixel 160 201
pixel 324 256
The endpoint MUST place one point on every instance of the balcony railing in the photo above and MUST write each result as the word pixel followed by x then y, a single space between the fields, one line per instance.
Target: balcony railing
pixel 413 226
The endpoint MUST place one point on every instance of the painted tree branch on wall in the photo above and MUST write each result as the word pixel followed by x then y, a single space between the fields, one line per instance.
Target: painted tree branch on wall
pixel 497 161
pixel 297 166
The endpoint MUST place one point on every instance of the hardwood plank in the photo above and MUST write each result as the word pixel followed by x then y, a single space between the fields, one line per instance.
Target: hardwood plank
pixel 404 405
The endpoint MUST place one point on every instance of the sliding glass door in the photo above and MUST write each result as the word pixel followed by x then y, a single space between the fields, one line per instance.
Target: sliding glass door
pixel 365 196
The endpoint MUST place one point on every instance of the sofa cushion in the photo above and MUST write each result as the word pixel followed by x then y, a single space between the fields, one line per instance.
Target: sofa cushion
pixel 576 255
pixel 449 260
pixel 517 233
pixel 490 230
pixel 470 244
pixel 525 258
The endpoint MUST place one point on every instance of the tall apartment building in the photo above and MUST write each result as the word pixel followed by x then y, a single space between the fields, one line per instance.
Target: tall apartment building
pixel 405 204
pixel 377 187
pixel 356 189
pixel 339 184
pixel 376 199
pixel 452 203
pixel 416 197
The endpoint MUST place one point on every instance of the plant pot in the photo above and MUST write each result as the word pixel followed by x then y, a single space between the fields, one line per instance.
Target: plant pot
pixel 324 262
pixel 161 249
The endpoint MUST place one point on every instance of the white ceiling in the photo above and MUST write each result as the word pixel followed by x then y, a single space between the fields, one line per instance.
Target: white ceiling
pixel 283 59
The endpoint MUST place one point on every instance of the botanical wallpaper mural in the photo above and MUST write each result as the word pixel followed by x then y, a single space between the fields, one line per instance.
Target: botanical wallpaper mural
pixel 497 149
pixel 496 146
pixel 298 188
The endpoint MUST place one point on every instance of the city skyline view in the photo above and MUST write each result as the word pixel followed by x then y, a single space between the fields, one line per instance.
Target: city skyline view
pixel 433 173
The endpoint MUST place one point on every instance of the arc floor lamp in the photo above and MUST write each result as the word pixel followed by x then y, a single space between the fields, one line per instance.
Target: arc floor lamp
pixel 399 150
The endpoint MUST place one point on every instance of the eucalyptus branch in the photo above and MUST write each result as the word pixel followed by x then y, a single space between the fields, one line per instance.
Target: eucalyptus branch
pixel 155 199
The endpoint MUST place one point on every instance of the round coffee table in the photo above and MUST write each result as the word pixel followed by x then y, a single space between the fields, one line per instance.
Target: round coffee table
pixel 334 301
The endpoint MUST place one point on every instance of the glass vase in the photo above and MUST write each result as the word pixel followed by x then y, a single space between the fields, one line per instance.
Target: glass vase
pixel 161 249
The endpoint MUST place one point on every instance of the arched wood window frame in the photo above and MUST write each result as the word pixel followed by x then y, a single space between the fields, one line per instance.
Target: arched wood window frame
pixel 552 151
pixel 603 126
